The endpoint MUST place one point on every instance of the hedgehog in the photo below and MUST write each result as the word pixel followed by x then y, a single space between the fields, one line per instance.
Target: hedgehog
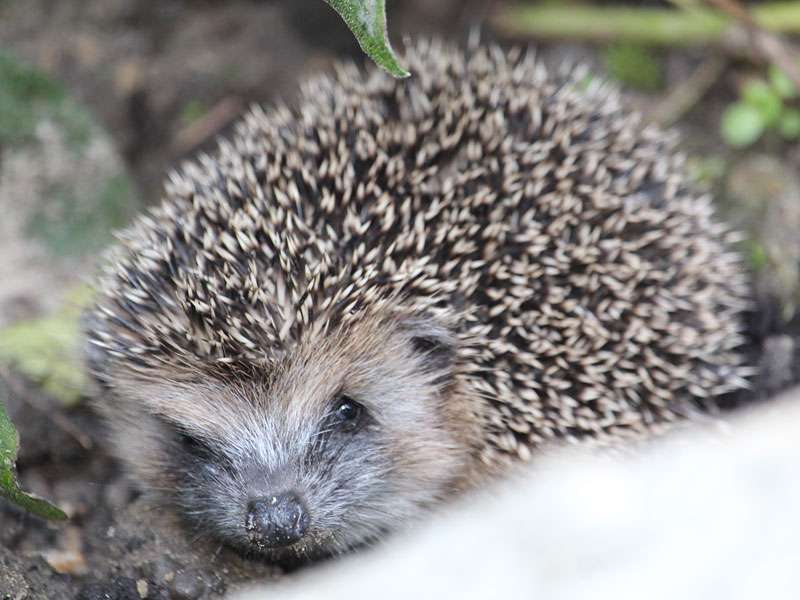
pixel 369 302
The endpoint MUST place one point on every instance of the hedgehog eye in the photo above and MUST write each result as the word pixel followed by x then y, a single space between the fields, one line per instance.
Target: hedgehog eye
pixel 348 412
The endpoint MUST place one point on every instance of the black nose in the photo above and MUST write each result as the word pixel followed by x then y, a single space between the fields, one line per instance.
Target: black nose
pixel 276 521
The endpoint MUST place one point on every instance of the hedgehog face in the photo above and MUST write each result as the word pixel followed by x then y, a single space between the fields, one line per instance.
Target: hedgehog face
pixel 340 441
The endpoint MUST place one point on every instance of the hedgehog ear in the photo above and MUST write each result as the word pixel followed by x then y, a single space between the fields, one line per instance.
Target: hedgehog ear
pixel 435 343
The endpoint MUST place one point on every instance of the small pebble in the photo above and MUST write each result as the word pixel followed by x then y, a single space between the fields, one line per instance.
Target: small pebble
pixel 68 558
pixel 187 585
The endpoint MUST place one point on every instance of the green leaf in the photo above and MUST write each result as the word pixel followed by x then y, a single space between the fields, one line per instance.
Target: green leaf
pixel 781 83
pixel 761 96
pixel 789 125
pixel 742 124
pixel 367 20
pixel 9 442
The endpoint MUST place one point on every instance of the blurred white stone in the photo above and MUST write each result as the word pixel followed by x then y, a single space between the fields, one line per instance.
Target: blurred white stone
pixel 706 514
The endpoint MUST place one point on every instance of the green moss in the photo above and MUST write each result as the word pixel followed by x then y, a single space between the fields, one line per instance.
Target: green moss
pixel 23 92
pixel 27 96
pixel 25 83
pixel 47 350
pixel 69 225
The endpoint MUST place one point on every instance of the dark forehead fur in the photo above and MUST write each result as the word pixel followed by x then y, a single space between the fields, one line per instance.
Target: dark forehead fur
pixel 589 288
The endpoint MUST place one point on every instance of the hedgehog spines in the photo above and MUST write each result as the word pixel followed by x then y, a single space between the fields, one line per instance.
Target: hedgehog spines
pixel 590 290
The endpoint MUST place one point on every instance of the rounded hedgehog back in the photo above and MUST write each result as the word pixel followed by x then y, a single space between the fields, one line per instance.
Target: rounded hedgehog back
pixel 553 234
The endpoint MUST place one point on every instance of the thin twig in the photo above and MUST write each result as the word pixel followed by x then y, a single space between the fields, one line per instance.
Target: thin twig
pixel 220 115
pixel 769 46
pixel 697 24
pixel 689 92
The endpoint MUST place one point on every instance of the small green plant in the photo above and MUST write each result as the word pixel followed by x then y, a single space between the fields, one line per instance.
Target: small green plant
pixel 635 66
pixel 765 105
pixel 367 20
pixel 9 489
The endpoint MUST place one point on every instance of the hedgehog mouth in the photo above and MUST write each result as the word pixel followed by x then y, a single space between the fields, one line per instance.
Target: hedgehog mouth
pixel 311 547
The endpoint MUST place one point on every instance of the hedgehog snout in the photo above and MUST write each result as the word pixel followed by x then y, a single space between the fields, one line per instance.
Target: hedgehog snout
pixel 277 521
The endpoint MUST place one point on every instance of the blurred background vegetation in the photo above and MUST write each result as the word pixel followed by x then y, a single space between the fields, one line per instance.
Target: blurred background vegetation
pixel 99 98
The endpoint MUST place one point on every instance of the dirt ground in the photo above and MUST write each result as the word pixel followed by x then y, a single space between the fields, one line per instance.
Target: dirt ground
pixel 163 79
